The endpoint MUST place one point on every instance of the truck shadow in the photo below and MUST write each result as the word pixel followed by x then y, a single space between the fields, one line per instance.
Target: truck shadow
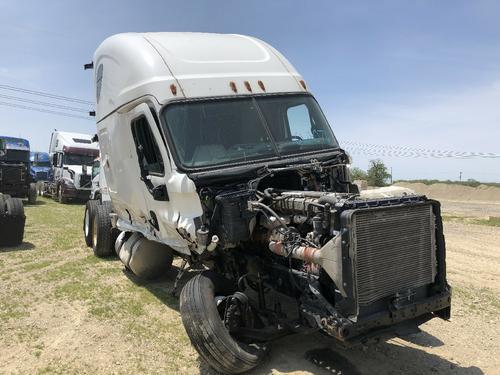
pixel 21 247
pixel 38 202
pixel 162 287
pixel 318 354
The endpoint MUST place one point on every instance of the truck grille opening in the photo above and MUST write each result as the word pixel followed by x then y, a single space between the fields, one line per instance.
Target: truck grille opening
pixel 394 250
pixel 12 174
pixel 42 176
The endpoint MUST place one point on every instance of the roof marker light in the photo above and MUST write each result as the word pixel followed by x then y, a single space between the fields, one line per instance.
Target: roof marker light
pixel 261 85
pixel 303 84
pixel 173 88
pixel 233 86
pixel 247 85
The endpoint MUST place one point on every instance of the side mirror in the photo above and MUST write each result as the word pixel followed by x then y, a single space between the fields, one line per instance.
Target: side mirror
pixel 160 193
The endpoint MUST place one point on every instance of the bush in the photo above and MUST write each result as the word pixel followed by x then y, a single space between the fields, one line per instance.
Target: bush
pixel 377 174
pixel 358 174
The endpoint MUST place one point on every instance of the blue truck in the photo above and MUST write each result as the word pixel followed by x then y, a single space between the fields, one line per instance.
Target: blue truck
pixel 15 177
pixel 40 169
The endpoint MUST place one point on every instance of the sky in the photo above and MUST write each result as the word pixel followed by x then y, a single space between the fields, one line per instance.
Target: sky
pixel 421 74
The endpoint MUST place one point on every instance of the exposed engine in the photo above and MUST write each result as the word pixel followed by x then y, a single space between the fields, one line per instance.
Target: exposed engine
pixel 352 262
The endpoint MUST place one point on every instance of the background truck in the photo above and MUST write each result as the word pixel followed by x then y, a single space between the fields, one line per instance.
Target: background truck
pixel 15 177
pixel 40 169
pixel 71 155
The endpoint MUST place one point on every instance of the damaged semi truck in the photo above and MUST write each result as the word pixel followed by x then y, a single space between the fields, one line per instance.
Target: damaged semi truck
pixel 215 150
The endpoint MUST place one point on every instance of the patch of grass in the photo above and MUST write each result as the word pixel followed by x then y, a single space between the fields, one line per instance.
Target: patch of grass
pixel 36 265
pixel 492 221
pixel 10 309
pixel 481 301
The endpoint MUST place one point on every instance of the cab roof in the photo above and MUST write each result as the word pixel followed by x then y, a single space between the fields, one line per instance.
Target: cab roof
pixel 171 66
pixel 65 140
pixel 13 143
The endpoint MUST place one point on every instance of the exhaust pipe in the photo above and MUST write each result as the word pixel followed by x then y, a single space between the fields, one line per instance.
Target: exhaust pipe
pixel 329 257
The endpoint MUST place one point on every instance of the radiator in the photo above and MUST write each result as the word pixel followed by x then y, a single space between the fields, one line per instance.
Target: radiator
pixel 394 250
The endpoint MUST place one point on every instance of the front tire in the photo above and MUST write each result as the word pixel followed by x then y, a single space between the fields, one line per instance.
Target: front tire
pixel 32 194
pixel 60 196
pixel 206 330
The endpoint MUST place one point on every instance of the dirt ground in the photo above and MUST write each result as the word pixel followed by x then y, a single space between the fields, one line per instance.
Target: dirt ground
pixel 62 311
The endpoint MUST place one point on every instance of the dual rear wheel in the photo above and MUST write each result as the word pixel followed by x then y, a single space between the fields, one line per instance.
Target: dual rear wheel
pixel 97 229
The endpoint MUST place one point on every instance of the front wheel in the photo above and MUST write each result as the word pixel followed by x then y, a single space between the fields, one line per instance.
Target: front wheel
pixel 206 330
pixel 32 194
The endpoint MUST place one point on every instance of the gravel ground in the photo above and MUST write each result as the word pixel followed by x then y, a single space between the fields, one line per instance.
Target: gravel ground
pixel 63 311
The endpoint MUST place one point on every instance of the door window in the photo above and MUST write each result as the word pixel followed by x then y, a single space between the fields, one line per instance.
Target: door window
pixel 148 153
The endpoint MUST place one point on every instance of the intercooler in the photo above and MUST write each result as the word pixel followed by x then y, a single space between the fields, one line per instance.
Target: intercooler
pixel 394 250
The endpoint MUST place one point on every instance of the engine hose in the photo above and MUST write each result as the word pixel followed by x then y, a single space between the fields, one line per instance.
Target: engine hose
pixel 305 253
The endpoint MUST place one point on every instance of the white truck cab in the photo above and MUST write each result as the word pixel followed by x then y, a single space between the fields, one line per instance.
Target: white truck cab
pixel 71 156
pixel 214 149
pixel 143 80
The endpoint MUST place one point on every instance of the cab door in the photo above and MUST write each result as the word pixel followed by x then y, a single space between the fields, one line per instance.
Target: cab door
pixel 154 170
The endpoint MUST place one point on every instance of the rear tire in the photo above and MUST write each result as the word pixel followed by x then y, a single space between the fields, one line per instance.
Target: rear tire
pixel 14 207
pixel 12 221
pixel 90 208
pixel 102 243
pixel 206 330
pixel 2 204
pixel 60 197
pixel 32 194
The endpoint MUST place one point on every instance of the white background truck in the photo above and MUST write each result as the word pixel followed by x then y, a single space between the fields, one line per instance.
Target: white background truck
pixel 72 155
pixel 214 150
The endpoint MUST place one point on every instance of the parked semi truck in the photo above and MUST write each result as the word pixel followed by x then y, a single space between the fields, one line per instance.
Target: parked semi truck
pixel 215 150
pixel 40 169
pixel 72 155
pixel 15 177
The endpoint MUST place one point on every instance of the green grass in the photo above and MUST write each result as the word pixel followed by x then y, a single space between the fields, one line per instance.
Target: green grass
pixel 481 301
pixel 491 221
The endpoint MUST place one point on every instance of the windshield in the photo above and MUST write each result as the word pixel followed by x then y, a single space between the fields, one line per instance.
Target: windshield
pixel 212 132
pixel 15 155
pixel 76 159
pixel 40 163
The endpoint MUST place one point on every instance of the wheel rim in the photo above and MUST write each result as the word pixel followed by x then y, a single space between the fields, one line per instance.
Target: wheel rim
pixel 94 232
pixel 87 224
